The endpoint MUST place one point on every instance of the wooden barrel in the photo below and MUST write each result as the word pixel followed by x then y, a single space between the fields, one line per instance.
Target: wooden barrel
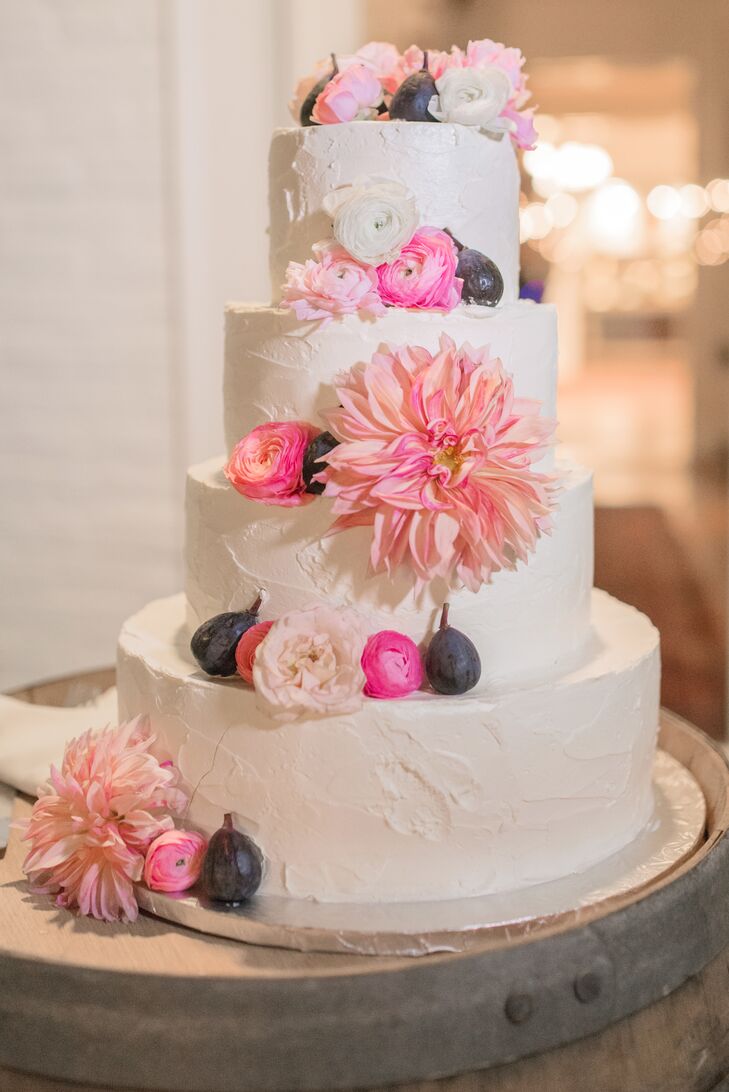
pixel 634 999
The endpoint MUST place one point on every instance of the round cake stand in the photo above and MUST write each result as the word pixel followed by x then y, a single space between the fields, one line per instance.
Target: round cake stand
pixel 635 999
pixel 423 928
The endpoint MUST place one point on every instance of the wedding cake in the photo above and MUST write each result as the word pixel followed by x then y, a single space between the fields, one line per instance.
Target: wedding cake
pixel 389 422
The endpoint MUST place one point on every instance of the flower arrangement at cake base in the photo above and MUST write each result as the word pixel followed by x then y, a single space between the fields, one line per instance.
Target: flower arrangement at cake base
pixel 105 822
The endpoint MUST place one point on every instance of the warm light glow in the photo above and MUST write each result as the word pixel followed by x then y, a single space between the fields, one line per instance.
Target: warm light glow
pixel 536 221
pixel 563 208
pixel 615 220
pixel 572 166
pixel 581 167
pixel 718 194
pixel 694 202
pixel 664 202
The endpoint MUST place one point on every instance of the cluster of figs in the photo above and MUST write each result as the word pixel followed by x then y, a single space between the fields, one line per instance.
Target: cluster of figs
pixel 452 663
pixel 482 280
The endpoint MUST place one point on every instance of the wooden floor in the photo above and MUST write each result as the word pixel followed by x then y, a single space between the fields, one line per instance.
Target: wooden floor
pixel 660 528
pixel 640 559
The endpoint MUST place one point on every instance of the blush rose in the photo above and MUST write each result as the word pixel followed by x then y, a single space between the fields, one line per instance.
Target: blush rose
pixel 332 283
pixel 392 665
pixel 267 464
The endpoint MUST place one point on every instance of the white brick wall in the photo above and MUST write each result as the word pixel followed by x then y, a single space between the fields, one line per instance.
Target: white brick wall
pixel 133 147
pixel 90 489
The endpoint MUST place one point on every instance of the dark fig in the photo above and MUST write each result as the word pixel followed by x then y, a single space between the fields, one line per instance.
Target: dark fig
pixel 309 102
pixel 412 98
pixel 315 461
pixel 233 866
pixel 482 280
pixel 214 643
pixel 452 663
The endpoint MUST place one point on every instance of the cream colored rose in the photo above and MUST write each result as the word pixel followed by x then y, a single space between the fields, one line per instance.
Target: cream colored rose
pixel 309 664
pixel 373 221
pixel 472 96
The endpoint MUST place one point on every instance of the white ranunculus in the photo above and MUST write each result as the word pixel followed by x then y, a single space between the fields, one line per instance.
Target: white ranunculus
pixel 472 96
pixel 373 221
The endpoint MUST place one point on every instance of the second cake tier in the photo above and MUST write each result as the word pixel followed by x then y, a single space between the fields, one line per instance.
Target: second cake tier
pixel 525 622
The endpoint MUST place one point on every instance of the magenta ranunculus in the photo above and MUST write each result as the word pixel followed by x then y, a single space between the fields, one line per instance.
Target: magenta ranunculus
pixel 424 273
pixel 332 283
pixel 174 860
pixel 392 665
pixel 245 651
pixel 352 95
pixel 267 464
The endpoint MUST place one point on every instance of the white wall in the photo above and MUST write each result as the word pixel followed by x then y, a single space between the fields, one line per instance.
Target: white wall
pixel 133 145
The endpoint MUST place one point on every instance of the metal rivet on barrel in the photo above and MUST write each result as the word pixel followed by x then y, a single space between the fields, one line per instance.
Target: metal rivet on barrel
pixel 518 1007
pixel 587 987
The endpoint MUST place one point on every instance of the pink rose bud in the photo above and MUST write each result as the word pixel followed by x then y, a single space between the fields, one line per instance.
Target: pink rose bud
pixel 245 652
pixel 424 273
pixel 267 464
pixel 392 665
pixel 352 95
pixel 174 860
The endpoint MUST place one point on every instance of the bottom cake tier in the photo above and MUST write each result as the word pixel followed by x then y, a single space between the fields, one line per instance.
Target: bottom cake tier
pixel 428 797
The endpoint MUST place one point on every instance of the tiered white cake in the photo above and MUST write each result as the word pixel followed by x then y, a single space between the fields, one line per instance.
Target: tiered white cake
pixel 545 767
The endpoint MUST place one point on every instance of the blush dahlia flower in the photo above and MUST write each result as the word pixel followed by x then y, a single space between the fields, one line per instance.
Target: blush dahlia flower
pixel 94 820
pixel 436 455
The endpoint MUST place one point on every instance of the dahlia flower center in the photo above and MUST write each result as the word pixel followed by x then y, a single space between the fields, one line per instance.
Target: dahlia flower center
pixel 451 457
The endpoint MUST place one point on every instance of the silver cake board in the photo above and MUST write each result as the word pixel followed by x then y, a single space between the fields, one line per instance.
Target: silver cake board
pixel 457 925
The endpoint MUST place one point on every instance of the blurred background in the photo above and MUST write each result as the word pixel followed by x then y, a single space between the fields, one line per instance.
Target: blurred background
pixel 133 146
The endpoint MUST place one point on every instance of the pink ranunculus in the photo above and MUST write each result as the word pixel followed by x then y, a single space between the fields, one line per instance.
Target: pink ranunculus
pixel 309 664
pixel 267 464
pixel 392 665
pixel 384 59
pixel 424 273
pixel 332 283
pixel 437 455
pixel 245 652
pixel 174 860
pixel 411 61
pixel 95 818
pixel 523 133
pixel 354 94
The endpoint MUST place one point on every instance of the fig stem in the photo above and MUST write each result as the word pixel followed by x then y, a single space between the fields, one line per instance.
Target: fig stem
pixel 444 616
pixel 335 64
pixel 425 61
pixel 228 820
pixel 257 604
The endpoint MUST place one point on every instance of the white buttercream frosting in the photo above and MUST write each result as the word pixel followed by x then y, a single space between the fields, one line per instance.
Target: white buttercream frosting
pixel 460 179
pixel 526 622
pixel 424 798
pixel 278 366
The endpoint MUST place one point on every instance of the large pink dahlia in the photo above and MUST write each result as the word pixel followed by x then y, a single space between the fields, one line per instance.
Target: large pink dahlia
pixel 95 819
pixel 436 455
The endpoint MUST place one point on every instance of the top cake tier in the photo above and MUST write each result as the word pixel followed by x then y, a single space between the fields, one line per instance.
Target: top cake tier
pixel 461 178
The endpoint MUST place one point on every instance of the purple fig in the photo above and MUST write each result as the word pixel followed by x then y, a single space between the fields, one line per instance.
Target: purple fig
pixel 315 460
pixel 412 98
pixel 214 643
pixel 452 662
pixel 233 866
